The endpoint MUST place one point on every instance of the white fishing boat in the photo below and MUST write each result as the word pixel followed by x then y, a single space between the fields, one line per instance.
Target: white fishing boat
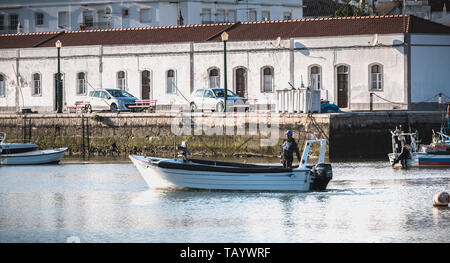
pixel 433 155
pixel 217 175
pixel 15 147
pixel 52 156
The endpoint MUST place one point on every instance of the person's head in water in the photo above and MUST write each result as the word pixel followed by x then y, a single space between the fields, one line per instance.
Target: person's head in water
pixel 289 135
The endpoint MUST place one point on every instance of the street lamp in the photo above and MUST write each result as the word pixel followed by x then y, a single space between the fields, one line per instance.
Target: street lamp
pixel 58 45
pixel 225 39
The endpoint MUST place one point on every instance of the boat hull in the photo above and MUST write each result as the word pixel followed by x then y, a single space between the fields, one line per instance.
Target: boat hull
pixel 423 159
pixel 298 179
pixel 33 157
pixel 13 148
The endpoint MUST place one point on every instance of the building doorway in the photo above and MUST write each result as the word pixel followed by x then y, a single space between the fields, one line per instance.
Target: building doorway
pixel 342 86
pixel 145 85
pixel 240 77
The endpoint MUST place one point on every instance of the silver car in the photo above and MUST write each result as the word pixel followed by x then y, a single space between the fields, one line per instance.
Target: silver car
pixel 110 99
pixel 213 99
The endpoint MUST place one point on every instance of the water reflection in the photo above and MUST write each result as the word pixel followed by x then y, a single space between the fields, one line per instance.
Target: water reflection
pixel 365 202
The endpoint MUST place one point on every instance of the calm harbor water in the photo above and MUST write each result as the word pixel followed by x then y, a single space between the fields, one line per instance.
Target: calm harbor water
pixel 98 202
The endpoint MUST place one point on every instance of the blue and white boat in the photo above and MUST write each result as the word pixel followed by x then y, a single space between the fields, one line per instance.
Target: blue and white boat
pixel 27 153
pixel 15 147
pixel 433 155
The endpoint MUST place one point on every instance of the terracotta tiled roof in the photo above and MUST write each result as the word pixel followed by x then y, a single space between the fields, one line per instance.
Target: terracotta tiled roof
pixel 24 40
pixel 339 26
pixel 147 35
pixel 237 31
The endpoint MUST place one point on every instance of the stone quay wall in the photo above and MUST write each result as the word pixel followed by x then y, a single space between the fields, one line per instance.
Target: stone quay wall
pixel 350 134
pixel 109 134
pixel 367 134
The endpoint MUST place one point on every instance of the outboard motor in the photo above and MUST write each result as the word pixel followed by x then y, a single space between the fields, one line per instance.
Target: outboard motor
pixel 321 174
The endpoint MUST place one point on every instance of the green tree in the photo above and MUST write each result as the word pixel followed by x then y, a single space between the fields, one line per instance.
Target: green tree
pixel 351 10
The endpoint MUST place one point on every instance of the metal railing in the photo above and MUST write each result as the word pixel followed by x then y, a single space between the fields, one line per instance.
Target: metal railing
pixel 9 29
pixel 96 25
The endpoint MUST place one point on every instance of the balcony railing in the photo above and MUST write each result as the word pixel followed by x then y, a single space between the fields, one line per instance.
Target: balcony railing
pixel 9 29
pixel 96 25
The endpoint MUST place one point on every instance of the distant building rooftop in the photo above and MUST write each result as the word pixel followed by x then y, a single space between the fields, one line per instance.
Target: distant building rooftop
pixel 262 30
pixel 320 8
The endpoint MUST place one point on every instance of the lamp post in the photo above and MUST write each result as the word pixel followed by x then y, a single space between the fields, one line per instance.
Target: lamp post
pixel 58 45
pixel 225 39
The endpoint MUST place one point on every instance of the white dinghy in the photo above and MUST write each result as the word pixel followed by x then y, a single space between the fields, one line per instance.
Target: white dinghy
pixel 52 156
pixel 216 175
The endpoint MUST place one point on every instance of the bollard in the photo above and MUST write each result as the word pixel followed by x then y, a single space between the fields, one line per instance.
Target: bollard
pixel 441 199
pixel 371 101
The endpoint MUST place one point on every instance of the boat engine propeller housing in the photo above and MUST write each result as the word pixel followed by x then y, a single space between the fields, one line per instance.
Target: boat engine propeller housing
pixel 321 174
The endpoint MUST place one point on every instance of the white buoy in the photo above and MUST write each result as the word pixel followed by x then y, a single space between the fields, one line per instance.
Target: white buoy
pixel 441 199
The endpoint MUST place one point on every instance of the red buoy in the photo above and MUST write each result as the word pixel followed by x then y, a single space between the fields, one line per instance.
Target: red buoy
pixel 441 199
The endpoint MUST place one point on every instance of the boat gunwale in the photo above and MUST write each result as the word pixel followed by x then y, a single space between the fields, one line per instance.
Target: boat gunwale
pixel 27 154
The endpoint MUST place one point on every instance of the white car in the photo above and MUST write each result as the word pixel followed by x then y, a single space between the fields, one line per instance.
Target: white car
pixel 213 99
pixel 110 99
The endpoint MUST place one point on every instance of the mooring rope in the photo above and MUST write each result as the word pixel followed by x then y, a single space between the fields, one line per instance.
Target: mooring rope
pixel 400 103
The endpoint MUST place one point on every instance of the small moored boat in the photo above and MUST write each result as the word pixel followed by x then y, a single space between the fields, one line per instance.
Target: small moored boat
pixel 216 175
pixel 27 153
pixel 15 147
pixel 433 155
pixel 52 156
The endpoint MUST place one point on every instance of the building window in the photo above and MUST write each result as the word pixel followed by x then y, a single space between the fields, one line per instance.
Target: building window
pixel 206 16
pixel 37 84
pixel 267 79
pixel 252 15
pixel 62 19
pixel 2 86
pixel 146 15
pixel 2 22
pixel 265 15
pixel 38 19
pixel 231 15
pixel 315 77
pixel 287 15
pixel 125 13
pixel 81 83
pixel 214 78
pixel 171 82
pixel 13 22
pixel 220 16
pixel 376 77
pixel 121 80
pixel 88 18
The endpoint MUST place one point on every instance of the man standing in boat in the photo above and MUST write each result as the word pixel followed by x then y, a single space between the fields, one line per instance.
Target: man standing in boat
pixel 288 148
pixel 404 155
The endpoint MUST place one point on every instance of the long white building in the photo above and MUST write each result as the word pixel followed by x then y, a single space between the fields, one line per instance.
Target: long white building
pixel 26 16
pixel 403 60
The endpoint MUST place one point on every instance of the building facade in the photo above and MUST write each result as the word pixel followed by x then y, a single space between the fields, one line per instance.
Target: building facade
pixel 26 16
pixel 403 60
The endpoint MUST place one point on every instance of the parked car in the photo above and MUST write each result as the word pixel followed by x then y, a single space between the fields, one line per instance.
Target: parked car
pixel 110 99
pixel 213 99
